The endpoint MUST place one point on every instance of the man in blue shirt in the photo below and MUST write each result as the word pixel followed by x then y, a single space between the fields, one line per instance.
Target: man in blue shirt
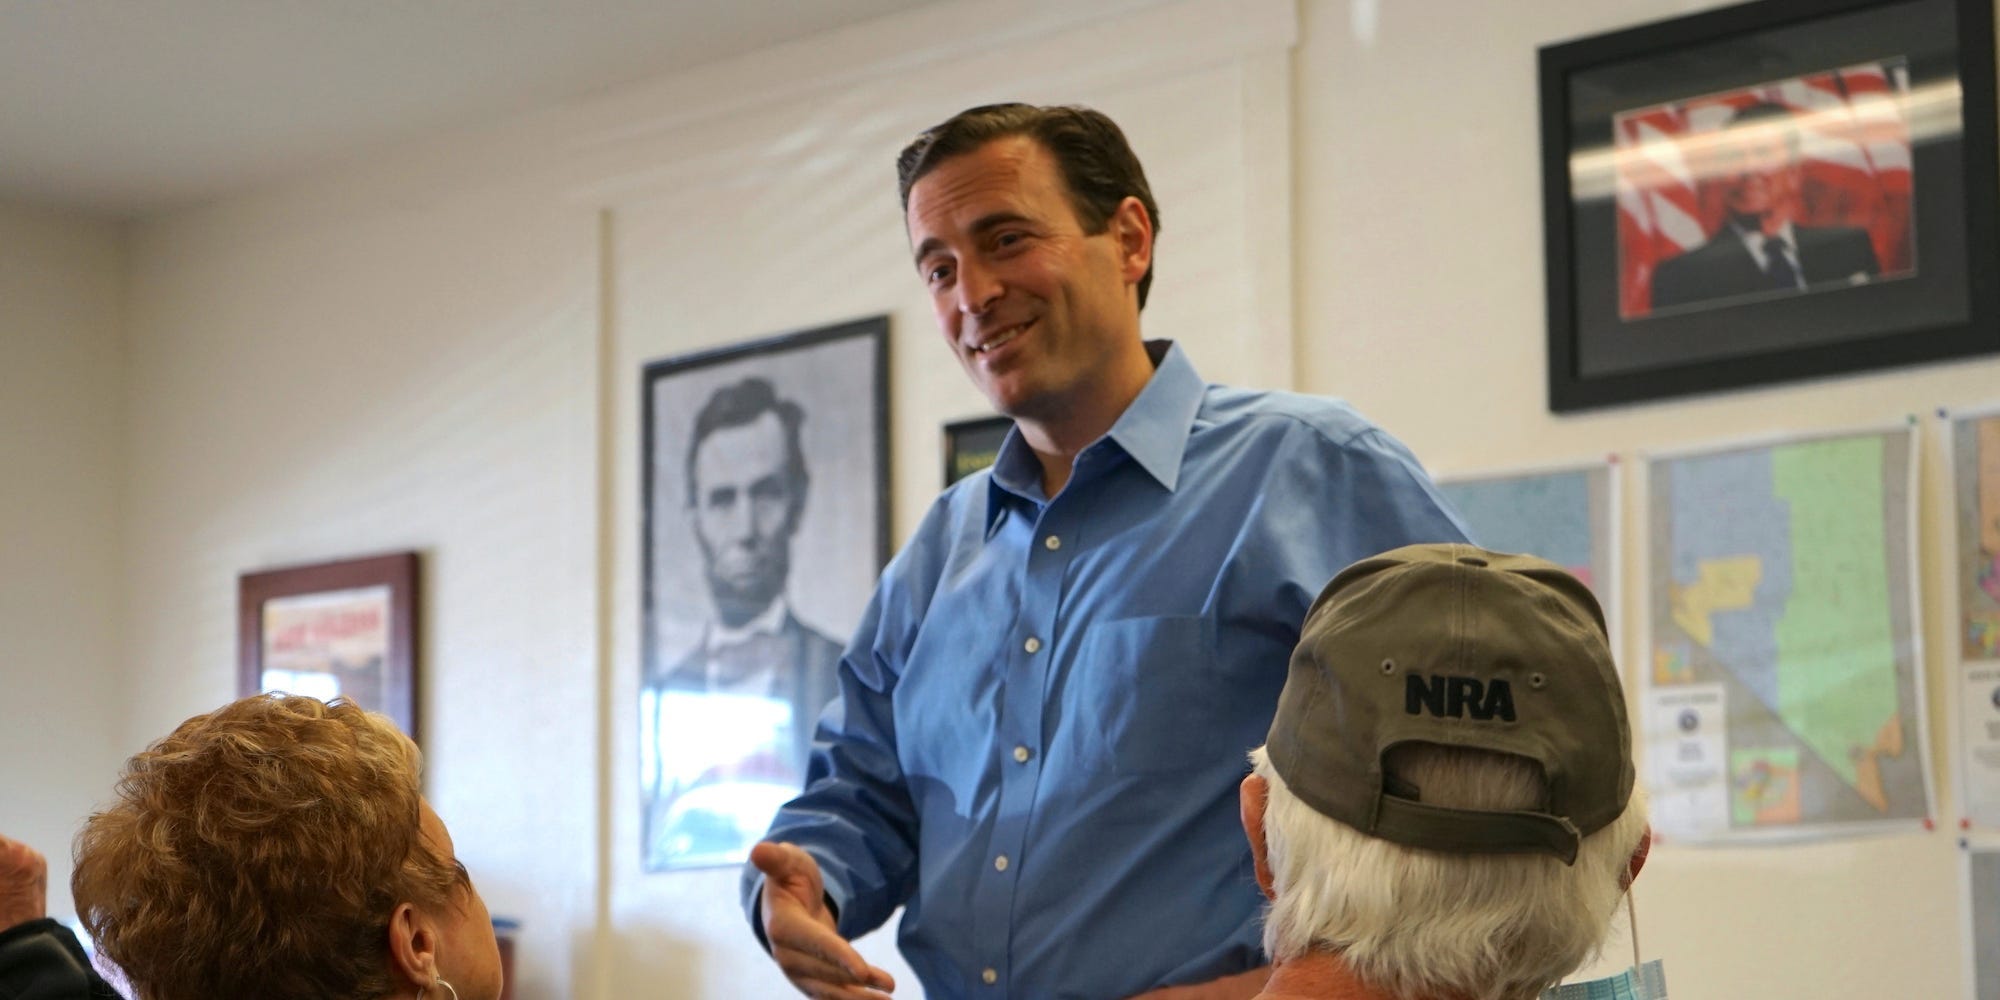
pixel 1045 710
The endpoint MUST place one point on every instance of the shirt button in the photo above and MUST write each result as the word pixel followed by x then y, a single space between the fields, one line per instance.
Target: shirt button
pixel 1052 543
pixel 1000 863
pixel 989 977
pixel 1020 755
pixel 1033 645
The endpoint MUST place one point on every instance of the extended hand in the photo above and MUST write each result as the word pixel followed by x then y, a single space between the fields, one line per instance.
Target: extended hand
pixel 801 930
pixel 24 884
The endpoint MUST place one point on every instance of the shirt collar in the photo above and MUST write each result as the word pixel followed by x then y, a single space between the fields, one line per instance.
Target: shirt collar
pixel 1153 430
pixel 769 621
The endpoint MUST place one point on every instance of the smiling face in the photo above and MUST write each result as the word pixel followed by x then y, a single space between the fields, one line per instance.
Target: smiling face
pixel 1042 315
pixel 1758 170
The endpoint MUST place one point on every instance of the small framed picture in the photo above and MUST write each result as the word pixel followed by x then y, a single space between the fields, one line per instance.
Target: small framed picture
pixel 335 629
pixel 972 445
pixel 766 523
pixel 1768 192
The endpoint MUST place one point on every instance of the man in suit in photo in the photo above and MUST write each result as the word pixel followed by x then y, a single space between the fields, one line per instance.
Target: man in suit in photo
pixel 1759 250
pixel 747 484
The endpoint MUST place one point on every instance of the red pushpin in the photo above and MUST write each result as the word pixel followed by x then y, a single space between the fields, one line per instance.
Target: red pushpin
pixel 1928 825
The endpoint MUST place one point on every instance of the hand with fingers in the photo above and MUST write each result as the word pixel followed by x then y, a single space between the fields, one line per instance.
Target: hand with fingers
pixel 24 884
pixel 801 930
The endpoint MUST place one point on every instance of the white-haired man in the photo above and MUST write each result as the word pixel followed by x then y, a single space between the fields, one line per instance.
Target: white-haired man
pixel 1445 805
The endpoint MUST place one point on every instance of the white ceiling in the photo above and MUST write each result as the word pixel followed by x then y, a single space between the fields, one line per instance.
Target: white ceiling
pixel 128 107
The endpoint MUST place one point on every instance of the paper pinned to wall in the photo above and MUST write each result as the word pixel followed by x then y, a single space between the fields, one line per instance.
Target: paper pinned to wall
pixel 1564 514
pixel 1974 449
pixel 1981 888
pixel 1781 590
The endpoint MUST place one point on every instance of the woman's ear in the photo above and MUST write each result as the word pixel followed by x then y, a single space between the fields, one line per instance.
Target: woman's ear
pixel 413 940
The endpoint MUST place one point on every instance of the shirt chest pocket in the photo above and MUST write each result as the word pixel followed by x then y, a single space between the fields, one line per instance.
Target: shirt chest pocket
pixel 948 699
pixel 1147 695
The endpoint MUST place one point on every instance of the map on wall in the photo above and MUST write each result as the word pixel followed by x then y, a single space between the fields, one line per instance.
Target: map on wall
pixel 1974 447
pixel 1982 920
pixel 1975 463
pixel 1563 515
pixel 1784 694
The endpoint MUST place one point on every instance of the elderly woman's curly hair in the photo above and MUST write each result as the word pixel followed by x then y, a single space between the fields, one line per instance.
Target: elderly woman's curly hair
pixel 259 850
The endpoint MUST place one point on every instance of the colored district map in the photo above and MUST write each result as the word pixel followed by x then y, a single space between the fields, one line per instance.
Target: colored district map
pixel 1781 580
pixel 1563 516
pixel 1976 467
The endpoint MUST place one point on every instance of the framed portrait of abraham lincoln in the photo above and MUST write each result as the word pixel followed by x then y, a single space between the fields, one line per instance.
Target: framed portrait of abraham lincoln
pixel 1767 192
pixel 766 506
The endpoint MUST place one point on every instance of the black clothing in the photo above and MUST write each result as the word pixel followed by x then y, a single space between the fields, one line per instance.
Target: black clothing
pixel 1723 268
pixel 42 960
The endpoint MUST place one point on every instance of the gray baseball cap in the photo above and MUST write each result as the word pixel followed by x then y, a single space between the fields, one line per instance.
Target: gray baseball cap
pixel 1455 646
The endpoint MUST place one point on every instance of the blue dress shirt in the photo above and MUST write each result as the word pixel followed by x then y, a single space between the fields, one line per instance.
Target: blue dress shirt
pixel 1045 712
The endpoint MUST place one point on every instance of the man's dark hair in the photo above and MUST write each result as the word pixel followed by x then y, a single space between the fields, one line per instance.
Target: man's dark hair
pixel 1768 111
pixel 1097 164
pixel 739 404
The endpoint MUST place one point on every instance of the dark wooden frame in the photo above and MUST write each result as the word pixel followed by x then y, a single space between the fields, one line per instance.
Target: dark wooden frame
pixel 397 571
pixel 957 430
pixel 1571 388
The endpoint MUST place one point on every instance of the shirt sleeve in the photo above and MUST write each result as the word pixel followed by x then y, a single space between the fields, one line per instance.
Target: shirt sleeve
pixel 1394 500
pixel 855 816
pixel 1329 502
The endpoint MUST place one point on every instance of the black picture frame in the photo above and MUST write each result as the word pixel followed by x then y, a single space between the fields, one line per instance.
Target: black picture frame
pixel 753 575
pixel 971 445
pixel 345 628
pixel 1622 110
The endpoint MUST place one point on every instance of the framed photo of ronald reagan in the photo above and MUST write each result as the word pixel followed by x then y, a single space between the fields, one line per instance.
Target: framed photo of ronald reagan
pixel 334 629
pixel 1773 191
pixel 766 500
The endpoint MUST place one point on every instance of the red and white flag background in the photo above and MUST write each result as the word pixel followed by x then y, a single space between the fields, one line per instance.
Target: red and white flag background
pixel 1855 148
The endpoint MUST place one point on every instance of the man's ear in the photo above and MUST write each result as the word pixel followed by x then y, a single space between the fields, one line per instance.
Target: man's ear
pixel 1638 861
pixel 1251 797
pixel 413 940
pixel 1133 229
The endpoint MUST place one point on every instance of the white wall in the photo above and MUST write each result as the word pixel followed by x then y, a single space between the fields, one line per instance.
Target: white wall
pixel 437 346
pixel 1418 166
pixel 61 409
pixel 408 362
